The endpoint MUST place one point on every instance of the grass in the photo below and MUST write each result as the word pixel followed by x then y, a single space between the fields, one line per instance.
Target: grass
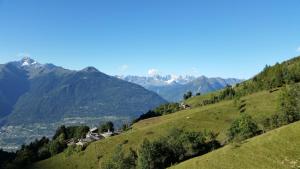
pixel 216 117
pixel 277 149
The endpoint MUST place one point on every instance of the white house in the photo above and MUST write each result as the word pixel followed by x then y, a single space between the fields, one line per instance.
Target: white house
pixel 93 134
pixel 185 106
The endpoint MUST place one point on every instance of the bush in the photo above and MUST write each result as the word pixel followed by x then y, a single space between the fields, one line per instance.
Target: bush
pixel 119 161
pixel 187 95
pixel 289 103
pixel 107 126
pixel 242 128
pixel 177 146
pixel 75 132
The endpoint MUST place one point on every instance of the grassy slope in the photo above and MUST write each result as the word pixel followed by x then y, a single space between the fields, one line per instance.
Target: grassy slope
pixel 277 149
pixel 215 117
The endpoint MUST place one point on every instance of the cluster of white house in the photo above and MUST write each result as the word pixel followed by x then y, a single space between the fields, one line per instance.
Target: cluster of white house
pixel 91 136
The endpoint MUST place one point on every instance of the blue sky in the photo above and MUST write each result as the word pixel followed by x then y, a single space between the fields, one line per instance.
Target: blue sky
pixel 225 38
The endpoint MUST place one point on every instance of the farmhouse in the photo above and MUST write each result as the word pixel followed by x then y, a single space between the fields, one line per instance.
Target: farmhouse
pixel 185 106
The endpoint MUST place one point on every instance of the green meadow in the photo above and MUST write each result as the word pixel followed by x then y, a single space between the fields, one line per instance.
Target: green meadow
pixel 216 117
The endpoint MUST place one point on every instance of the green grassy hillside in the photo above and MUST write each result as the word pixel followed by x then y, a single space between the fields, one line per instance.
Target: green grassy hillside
pixel 216 117
pixel 277 149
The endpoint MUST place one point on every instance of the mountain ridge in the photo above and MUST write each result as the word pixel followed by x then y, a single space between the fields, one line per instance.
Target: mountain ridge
pixel 37 98
pixel 172 88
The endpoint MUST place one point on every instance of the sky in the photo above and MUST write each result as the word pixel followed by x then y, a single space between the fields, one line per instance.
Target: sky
pixel 215 38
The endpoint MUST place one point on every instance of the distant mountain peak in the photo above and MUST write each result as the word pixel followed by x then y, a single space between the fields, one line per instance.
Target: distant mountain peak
pixel 172 87
pixel 27 61
pixel 90 69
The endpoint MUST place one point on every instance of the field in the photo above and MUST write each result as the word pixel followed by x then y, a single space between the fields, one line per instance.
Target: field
pixel 216 117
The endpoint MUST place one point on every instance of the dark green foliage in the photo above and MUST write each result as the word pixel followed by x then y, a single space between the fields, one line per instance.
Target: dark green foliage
pixel 273 122
pixel 5 158
pixel 242 128
pixel 56 146
pixel 125 127
pixel 28 154
pixel 289 106
pixel 198 94
pixel 289 103
pixel 227 93
pixel 163 109
pixel 147 115
pixel 44 148
pixel 271 77
pixel 177 146
pixel 154 155
pixel 187 95
pixel 106 126
pixel 72 150
pixel 121 161
pixel 167 108
pixel 75 132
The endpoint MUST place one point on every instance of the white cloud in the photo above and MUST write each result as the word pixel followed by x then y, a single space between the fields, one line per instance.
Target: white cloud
pixel 298 49
pixel 153 72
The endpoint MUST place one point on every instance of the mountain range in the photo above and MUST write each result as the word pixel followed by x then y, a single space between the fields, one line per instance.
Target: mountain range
pixel 36 98
pixel 172 88
pixel 34 92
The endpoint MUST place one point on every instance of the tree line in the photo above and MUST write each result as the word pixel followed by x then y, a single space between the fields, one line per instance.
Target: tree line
pixel 178 145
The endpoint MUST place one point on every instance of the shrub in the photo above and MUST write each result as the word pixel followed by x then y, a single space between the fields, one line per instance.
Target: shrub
pixel 242 128
pixel 119 161
pixel 177 146
pixel 106 126
pixel 289 103
pixel 187 95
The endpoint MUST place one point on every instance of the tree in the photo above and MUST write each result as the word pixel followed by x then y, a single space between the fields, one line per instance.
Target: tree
pixel 125 127
pixel 187 95
pixel 198 94
pixel 163 109
pixel 107 126
pixel 242 128
pixel 59 131
pixel 56 147
pixel 154 155
pixel 119 161
pixel 289 103
pixel 176 146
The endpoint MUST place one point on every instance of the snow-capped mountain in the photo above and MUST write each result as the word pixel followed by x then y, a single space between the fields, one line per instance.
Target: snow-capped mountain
pixel 34 68
pixel 158 80
pixel 173 87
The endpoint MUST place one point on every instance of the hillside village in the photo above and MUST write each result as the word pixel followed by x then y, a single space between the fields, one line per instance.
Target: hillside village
pixel 91 136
